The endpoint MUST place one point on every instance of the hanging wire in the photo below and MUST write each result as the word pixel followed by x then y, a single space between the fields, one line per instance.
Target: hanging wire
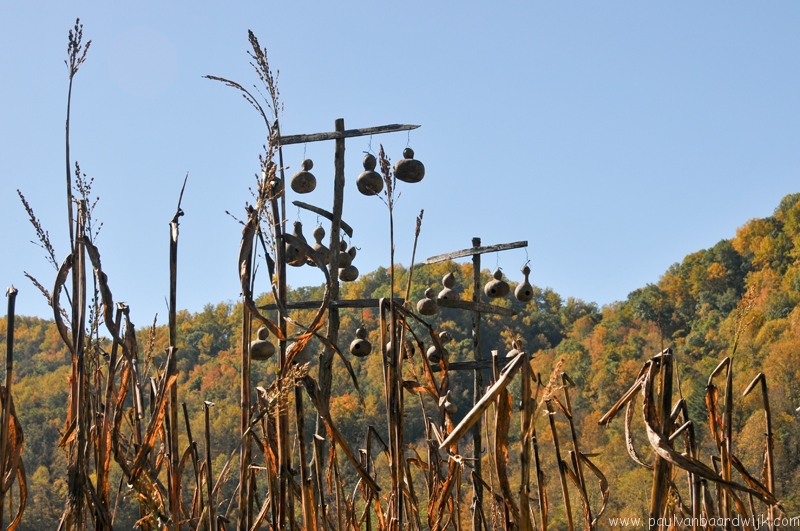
pixel 304 150
pixel 408 139
pixel 298 215
pixel 527 259
pixel 369 145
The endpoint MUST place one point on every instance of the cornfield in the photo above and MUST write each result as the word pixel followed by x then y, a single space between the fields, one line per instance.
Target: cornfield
pixel 124 409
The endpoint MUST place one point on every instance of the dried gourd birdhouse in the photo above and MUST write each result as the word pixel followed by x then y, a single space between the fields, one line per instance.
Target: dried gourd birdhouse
pixel 524 290
pixel 428 305
pixel 370 182
pixel 304 181
pixel 261 349
pixel 294 254
pixel 497 287
pixel 409 169
pixel 360 346
pixel 324 253
pixel 448 293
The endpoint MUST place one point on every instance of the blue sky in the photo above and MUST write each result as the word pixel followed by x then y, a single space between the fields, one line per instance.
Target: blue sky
pixel 616 137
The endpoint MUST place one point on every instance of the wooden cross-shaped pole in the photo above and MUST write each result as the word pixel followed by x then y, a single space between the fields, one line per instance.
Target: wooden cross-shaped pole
pixel 339 134
pixel 477 392
pixel 326 360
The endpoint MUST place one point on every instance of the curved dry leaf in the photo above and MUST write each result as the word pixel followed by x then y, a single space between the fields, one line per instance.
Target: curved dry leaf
pixel 102 280
pixel 629 411
pixel 504 411
pixel 23 498
pixel 752 482
pixel 581 493
pixel 61 279
pixel 714 420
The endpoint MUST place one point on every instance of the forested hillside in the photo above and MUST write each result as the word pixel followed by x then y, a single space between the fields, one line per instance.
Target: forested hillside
pixel 693 308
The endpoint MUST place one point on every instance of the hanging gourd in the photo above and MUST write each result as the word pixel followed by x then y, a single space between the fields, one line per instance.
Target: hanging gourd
pixel 370 182
pixel 360 346
pixel 261 349
pixel 428 305
pixel 433 354
pixel 449 405
pixel 324 253
pixel 294 255
pixel 304 181
pixel 349 272
pixel 408 349
pixel 524 291
pixel 497 287
pixel 344 258
pixel 408 169
pixel 449 281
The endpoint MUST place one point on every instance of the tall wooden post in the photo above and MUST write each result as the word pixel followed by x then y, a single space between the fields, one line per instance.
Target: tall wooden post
pixel 326 362
pixel 477 391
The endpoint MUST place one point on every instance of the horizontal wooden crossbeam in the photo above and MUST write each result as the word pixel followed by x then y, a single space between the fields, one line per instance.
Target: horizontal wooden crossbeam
pixel 333 135
pixel 311 305
pixel 475 250
pixel 481 307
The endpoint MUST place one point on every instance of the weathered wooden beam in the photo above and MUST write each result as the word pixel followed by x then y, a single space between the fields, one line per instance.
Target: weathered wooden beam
pixel 475 250
pixel 311 305
pixel 324 213
pixel 471 365
pixel 335 135
pixel 481 307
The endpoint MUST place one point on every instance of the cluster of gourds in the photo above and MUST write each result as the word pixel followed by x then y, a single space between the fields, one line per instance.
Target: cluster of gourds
pixel 369 182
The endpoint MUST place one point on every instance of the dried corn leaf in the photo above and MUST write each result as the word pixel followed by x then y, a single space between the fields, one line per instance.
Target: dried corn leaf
pixel 61 279
pixel 582 494
pixel 629 411
pixel 502 426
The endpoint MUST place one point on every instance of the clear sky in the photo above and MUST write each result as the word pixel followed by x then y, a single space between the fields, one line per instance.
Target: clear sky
pixel 616 137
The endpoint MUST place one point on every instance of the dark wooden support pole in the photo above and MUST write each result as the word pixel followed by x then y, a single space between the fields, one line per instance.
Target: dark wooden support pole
pixel 326 362
pixel 477 390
